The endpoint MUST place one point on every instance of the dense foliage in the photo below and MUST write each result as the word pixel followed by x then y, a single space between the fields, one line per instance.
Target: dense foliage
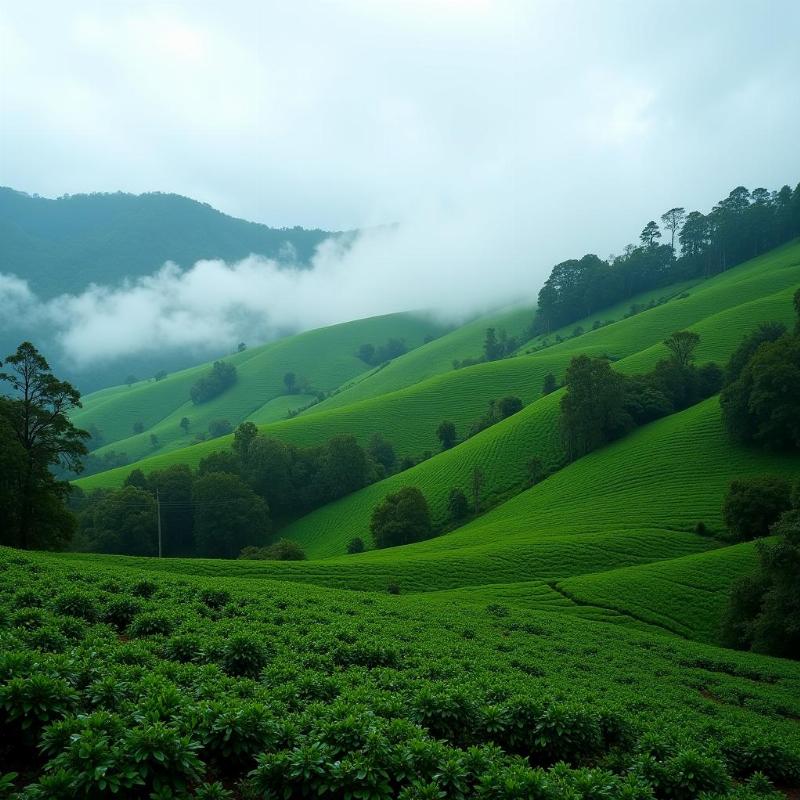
pixel 63 245
pixel 220 377
pixel 601 405
pixel 401 518
pixel 753 505
pixel 117 683
pixel 740 227
pixel 372 355
pixel 764 610
pixel 228 503
pixel 36 435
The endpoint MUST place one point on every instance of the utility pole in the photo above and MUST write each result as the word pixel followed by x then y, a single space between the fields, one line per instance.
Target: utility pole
pixel 158 511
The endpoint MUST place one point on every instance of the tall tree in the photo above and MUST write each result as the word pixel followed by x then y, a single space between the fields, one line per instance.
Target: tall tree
pixel 672 221
pixel 401 518
pixel 593 409
pixel 446 434
pixel 649 234
pixel 682 345
pixel 37 415
pixel 229 516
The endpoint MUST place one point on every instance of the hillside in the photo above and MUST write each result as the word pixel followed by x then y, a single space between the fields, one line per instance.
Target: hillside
pixel 321 360
pixel 64 244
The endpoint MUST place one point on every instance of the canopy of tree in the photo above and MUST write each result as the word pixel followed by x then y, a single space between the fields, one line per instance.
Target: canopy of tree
pixel 220 377
pixel 372 355
pixel 738 228
pixel 764 609
pixel 601 405
pixel 761 399
pixel 753 505
pixel 401 518
pixel 36 435
pixel 284 479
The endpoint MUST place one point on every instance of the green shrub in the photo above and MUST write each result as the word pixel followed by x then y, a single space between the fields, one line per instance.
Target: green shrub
pixel 150 623
pixel 243 656
pixel 120 612
pixel 77 604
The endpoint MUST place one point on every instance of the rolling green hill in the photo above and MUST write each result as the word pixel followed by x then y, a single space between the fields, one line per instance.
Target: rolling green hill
pixel 590 538
pixel 322 359
pixel 721 310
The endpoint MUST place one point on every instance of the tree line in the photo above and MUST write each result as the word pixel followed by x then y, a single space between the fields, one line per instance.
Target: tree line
pixel 738 228
pixel 232 501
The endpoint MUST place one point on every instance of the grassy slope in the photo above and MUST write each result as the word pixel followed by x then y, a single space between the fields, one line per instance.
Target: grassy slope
pixel 504 450
pixel 404 400
pixel 660 480
pixel 686 595
pixel 324 357
pixel 568 525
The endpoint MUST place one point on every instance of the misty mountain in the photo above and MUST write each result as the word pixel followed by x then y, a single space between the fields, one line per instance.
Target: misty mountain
pixel 64 244
pixel 59 246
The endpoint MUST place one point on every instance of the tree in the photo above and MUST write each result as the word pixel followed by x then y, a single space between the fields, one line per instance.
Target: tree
pixel 243 438
pixel 593 409
pixel 535 470
pixel 763 405
pixel 138 426
pixel 345 467
pixel 649 235
pixel 672 220
pixel 229 516
pixel 130 380
pixel 290 381
pixel 36 418
pixel 174 485
pixel 766 332
pixel 355 545
pixel 270 470
pixel 220 461
pixel 219 427
pixel 137 479
pixel 446 434
pixel 457 505
pixel 549 384
pixel 184 424
pixel 682 345
pixel 764 608
pixel 220 377
pixel 491 347
pixel 478 479
pixel 753 505
pixel 382 452
pixel 508 406
pixel 241 347
pixel 153 441
pixel 123 522
pixel 367 353
pixel 282 550
pixel 160 375
pixel 401 518
pixel 694 237
pixel 796 300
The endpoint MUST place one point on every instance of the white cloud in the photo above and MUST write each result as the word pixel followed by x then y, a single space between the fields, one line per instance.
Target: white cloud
pixel 500 137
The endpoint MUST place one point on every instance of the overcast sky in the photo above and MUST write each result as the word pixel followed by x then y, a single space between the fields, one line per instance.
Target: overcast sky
pixel 536 131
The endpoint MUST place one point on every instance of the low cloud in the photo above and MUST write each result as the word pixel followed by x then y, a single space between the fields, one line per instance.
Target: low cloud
pixel 449 265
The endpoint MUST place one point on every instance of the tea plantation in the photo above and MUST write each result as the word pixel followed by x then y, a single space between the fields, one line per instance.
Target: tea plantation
pixel 115 682
pixel 562 642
